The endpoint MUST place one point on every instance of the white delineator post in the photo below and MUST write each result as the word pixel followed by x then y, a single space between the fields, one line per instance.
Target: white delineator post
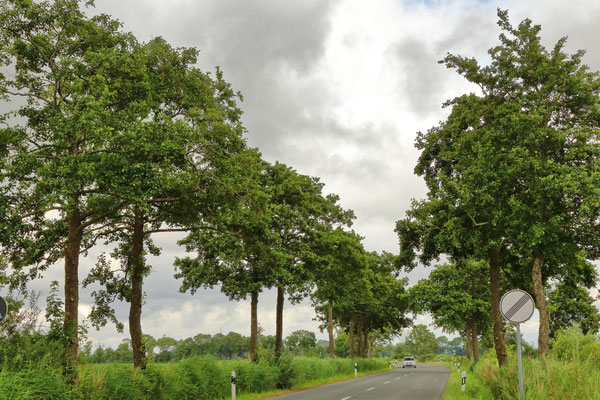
pixel 355 370
pixel 233 385
pixel 464 381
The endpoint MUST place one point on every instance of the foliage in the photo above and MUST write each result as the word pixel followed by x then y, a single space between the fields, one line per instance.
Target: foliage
pixel 421 341
pixel 568 305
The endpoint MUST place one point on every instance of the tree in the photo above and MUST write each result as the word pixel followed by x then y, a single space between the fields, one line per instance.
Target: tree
pixel 421 341
pixel 339 258
pixel 301 341
pixel 464 307
pixel 297 208
pixel 264 243
pixel 520 161
pixel 572 305
pixel 180 165
pixel 89 88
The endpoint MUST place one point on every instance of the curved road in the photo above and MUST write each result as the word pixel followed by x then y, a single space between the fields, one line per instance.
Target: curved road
pixel 426 382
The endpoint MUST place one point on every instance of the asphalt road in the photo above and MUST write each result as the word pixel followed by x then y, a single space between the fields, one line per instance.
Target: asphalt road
pixel 426 382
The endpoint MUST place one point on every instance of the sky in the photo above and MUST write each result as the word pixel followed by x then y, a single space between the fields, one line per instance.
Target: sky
pixel 333 88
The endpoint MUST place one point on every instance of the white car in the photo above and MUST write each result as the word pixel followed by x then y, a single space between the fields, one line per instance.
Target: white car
pixel 409 362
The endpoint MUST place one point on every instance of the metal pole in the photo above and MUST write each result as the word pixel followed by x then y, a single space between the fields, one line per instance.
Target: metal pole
pixel 520 362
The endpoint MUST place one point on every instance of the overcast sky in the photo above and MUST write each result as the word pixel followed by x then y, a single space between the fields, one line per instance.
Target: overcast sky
pixel 336 89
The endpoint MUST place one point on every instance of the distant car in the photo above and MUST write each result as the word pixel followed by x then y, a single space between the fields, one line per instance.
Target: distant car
pixel 409 362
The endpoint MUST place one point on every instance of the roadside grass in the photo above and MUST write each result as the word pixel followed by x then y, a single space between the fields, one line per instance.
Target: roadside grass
pixel 475 387
pixel 571 370
pixel 193 378
pixel 308 385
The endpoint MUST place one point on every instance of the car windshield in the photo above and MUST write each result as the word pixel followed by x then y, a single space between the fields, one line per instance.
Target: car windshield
pixel 408 359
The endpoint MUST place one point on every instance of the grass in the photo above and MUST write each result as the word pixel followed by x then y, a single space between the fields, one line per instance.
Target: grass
pixel 194 378
pixel 475 388
pixel 307 385
pixel 571 370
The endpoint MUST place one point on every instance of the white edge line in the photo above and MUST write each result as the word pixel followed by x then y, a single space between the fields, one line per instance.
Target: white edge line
pixel 369 389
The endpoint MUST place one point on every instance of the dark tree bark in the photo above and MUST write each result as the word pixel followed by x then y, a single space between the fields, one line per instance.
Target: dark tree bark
pixel 330 328
pixel 359 340
pixel 279 323
pixel 253 326
pixel 541 304
pixel 475 340
pixel 71 323
pixel 351 353
pixel 366 349
pixel 468 347
pixel 135 300
pixel 498 324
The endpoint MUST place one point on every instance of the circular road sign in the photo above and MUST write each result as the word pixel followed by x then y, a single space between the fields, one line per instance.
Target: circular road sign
pixel 517 306
pixel 3 309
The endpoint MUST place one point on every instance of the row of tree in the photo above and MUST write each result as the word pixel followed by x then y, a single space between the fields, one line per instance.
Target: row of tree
pixel 119 140
pixel 513 201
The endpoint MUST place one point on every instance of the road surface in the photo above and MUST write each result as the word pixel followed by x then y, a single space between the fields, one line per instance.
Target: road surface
pixel 426 382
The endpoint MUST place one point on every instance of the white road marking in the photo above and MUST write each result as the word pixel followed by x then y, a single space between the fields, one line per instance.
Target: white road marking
pixel 405 374
pixel 346 398
pixel 397 378
pixel 369 389
pixel 385 383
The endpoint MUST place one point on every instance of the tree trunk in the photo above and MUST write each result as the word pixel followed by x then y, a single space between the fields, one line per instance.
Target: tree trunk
pixel 498 324
pixel 541 304
pixel 137 281
pixel 253 326
pixel 330 328
pixel 468 347
pixel 359 342
pixel 279 323
pixel 474 340
pixel 351 338
pixel 71 322
pixel 366 348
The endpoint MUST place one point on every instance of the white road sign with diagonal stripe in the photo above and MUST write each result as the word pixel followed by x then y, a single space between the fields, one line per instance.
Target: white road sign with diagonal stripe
pixel 517 306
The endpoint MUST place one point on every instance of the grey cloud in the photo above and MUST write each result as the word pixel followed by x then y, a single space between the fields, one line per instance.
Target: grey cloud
pixel 422 77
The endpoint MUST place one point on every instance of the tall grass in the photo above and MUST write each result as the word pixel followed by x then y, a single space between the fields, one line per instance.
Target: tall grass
pixel 194 378
pixel 570 371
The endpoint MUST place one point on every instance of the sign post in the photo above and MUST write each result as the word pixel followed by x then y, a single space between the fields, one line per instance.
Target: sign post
pixel 517 306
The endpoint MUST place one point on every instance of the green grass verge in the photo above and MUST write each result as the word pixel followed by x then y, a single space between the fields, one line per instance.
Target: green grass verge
pixel 475 387
pixel 307 385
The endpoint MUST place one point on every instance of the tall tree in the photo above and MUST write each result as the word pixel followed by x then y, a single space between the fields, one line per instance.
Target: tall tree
pixel 520 159
pixel 82 86
pixel 179 166
pixel 298 208
pixel 339 258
